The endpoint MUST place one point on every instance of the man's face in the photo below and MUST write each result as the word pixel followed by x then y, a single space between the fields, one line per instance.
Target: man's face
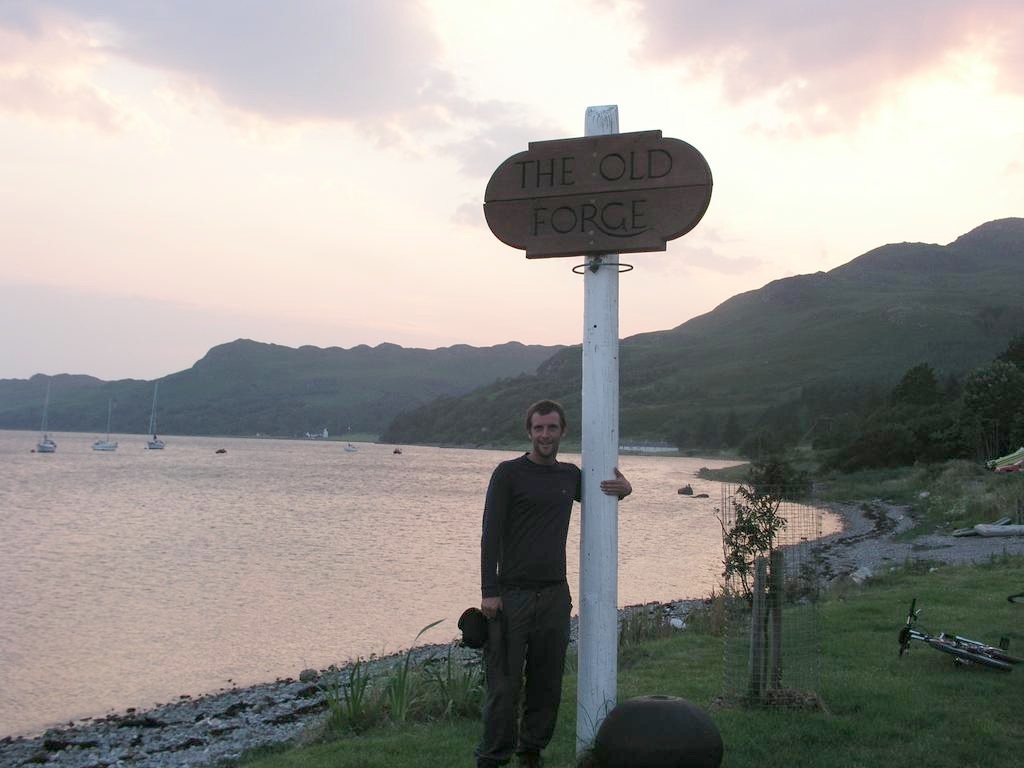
pixel 545 434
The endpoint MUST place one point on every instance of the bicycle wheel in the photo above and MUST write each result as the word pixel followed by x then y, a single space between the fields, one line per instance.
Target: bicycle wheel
pixel 904 640
pixel 973 646
pixel 977 658
pixel 999 653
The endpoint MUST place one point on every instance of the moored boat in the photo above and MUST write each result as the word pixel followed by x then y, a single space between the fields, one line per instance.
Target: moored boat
pixel 45 444
pixel 106 444
pixel 156 444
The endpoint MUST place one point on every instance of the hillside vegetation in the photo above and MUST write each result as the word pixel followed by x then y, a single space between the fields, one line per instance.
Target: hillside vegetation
pixel 794 350
pixel 797 356
pixel 245 388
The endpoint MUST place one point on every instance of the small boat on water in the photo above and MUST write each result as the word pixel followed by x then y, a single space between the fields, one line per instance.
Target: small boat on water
pixel 106 444
pixel 45 444
pixel 397 450
pixel 156 444
pixel 350 448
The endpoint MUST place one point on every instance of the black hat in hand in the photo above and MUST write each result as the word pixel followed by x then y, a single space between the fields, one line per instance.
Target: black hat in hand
pixel 473 624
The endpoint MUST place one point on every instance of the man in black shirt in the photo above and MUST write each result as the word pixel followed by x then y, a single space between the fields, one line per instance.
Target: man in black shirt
pixel 524 592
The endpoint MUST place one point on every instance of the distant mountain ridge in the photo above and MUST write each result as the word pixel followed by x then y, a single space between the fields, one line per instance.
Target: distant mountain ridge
pixel 246 387
pixel 954 307
pixel 868 321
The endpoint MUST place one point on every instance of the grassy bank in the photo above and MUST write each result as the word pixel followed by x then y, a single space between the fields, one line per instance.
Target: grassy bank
pixel 941 497
pixel 881 709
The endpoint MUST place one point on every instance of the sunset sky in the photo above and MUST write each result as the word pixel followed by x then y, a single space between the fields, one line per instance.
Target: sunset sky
pixel 177 174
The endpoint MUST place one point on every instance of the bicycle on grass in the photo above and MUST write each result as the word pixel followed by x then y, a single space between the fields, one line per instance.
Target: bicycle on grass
pixel 962 649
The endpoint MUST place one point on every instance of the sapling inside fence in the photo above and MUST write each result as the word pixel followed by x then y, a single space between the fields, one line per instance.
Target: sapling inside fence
pixel 771 578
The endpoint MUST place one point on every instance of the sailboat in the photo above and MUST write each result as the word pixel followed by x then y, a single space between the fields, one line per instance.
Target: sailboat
pixel 156 444
pixel 45 444
pixel 106 445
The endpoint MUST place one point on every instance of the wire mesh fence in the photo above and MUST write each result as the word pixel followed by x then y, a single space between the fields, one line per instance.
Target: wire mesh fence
pixel 772 638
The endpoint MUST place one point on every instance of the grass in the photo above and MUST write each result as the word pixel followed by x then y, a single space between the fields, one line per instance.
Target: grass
pixel 349 703
pixel 941 497
pixel 737 473
pixel 881 709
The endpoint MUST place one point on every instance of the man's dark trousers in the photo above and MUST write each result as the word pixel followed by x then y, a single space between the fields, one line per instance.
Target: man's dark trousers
pixel 532 632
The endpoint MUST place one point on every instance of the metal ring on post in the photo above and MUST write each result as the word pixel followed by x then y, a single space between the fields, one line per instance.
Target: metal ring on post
pixel 623 267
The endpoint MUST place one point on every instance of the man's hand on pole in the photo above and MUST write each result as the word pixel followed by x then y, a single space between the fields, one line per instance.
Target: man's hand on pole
pixel 618 487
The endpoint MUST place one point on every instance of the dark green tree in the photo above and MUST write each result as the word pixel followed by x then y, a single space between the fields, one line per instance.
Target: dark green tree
pixel 917 387
pixel 776 476
pixel 1014 352
pixel 707 432
pixel 951 389
pixel 991 400
pixel 731 433
pixel 761 443
pixel 679 435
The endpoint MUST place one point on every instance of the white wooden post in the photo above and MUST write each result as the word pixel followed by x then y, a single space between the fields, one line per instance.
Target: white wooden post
pixel 598 628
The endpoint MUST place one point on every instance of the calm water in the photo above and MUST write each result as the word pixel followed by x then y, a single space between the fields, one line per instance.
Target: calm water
pixel 127 579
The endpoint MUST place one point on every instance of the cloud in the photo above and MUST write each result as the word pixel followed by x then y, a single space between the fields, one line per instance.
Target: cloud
pixel 48 97
pixel 698 253
pixel 703 249
pixel 46 75
pixel 495 138
pixel 305 59
pixel 469 215
pixel 375 65
pixel 829 62
pixel 713 261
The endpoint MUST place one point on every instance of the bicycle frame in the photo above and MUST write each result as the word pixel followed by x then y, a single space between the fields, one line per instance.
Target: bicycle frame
pixel 962 649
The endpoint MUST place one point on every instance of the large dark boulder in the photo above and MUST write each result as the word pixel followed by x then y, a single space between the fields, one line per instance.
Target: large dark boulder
pixel 658 732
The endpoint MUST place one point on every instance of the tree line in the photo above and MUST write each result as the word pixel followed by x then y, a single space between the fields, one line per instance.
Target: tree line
pixel 924 417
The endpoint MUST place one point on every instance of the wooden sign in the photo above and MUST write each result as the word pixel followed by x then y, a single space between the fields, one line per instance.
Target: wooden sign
pixel 616 193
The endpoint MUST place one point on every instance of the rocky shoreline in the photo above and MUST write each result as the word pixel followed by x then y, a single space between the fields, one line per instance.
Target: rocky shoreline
pixel 867 545
pixel 219 727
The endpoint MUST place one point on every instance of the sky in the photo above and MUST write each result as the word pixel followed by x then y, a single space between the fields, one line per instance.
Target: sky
pixel 177 174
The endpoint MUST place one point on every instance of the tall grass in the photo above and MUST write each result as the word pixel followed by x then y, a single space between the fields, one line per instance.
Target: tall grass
pixel 458 688
pixel 402 689
pixel 351 705
pixel 641 623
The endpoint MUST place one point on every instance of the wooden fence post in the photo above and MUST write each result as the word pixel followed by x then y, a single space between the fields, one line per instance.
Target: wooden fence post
pixel 778 584
pixel 757 638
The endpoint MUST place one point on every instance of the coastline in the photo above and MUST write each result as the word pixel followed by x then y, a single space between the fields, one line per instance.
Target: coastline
pixel 207 729
pixel 868 543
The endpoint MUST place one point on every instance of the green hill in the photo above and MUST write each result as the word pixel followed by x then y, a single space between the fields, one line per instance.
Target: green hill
pixel 860 325
pixel 246 387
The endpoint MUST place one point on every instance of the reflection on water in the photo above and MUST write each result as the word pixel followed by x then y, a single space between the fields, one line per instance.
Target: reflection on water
pixel 133 577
